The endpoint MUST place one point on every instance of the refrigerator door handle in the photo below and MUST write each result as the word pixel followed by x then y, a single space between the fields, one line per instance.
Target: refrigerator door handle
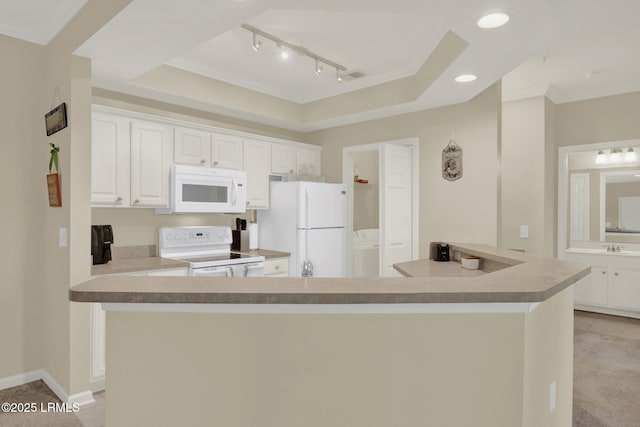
pixel 307 265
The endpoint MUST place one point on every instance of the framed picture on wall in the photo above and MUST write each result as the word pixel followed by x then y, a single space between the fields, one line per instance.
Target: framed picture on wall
pixel 56 119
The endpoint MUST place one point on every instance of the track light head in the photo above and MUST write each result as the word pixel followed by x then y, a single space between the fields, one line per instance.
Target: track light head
pixel 318 68
pixel 256 43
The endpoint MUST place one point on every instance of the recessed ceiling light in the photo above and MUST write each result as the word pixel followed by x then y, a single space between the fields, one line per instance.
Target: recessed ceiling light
pixel 465 78
pixel 493 20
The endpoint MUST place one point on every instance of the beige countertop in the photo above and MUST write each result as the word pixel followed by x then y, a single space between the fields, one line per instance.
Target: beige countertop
pixel 521 278
pixel 132 265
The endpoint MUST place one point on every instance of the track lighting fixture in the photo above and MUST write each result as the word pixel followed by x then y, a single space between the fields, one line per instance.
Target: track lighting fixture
pixel 285 47
pixel 601 158
pixel 256 43
pixel 630 156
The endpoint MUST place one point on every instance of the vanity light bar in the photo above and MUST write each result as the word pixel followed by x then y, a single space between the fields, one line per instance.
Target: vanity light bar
pixel 616 155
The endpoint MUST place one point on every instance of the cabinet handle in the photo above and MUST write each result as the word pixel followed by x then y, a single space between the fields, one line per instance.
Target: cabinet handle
pixel 277 267
pixel 291 171
pixel 119 200
pixel 136 201
pixel 604 272
pixel 247 203
pixel 215 163
pixel 203 161
pixel 616 274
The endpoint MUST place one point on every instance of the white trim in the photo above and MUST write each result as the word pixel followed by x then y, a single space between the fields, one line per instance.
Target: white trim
pixel 563 177
pixel 606 310
pixel 436 308
pixel 134 115
pixel 82 398
pixel 347 178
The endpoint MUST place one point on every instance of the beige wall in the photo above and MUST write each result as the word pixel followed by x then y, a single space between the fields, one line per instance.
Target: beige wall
pixel 611 118
pixel 528 178
pixel 464 210
pixel 23 190
pixel 366 203
pixel 463 370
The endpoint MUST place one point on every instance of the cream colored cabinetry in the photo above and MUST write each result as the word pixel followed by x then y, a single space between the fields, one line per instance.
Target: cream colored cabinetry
pixel 308 161
pixel 98 330
pixel 226 151
pixel 192 147
pixel 151 158
pixel 202 148
pixel 612 287
pixel 110 166
pixel 276 267
pixel 283 159
pixel 130 162
pixel 257 164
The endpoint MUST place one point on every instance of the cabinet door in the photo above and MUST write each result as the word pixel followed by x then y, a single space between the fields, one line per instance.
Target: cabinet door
pixel 308 161
pixel 625 289
pixel 191 147
pixel 226 151
pixel 151 155
pixel 276 267
pixel 110 148
pixel 592 289
pixel 257 164
pixel 283 159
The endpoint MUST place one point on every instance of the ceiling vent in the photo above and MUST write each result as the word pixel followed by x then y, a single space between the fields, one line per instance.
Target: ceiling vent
pixel 352 75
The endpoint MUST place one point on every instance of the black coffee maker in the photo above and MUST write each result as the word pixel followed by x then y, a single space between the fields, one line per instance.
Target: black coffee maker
pixel 101 240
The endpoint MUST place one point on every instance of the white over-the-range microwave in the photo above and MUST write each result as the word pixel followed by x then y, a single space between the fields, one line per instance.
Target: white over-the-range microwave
pixel 196 189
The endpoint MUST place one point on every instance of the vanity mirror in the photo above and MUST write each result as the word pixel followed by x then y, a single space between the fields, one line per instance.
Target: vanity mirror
pixel 598 194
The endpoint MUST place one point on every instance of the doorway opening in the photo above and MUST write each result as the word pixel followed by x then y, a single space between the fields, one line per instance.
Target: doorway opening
pixel 382 180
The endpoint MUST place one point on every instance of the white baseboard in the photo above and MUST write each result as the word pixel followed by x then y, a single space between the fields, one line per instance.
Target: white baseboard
pixel 82 398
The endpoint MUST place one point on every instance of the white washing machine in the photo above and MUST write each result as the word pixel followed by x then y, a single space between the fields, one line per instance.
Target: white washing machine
pixel 366 253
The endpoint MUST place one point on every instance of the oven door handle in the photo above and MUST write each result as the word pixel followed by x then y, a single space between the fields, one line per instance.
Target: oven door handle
pixel 257 266
pixel 213 271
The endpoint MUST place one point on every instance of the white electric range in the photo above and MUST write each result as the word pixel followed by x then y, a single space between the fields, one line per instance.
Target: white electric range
pixel 207 249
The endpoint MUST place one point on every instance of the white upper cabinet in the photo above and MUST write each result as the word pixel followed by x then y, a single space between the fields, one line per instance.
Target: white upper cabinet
pixel 257 164
pixel 151 158
pixel 283 159
pixel 110 146
pixel 308 161
pixel 192 147
pixel 226 151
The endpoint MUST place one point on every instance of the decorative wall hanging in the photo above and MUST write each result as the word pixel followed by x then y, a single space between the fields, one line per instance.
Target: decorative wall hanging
pixel 452 161
pixel 56 119
pixel 53 179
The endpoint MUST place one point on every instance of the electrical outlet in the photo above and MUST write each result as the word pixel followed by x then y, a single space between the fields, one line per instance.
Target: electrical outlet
pixel 552 396
pixel 62 237
pixel 524 231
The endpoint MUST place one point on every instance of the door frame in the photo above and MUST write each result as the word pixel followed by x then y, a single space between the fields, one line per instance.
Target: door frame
pixel 347 179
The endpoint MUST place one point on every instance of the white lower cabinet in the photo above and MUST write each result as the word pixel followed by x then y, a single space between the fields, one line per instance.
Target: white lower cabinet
pixel 99 330
pixel 613 286
pixel 276 267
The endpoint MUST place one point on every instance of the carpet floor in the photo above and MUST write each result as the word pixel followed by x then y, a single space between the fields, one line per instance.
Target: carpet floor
pixel 36 392
pixel 606 371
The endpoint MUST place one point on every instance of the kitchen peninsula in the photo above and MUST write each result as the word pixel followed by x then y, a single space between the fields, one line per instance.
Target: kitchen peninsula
pixel 487 350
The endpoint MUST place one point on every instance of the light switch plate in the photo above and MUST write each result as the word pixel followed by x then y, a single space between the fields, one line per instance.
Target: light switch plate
pixel 524 231
pixel 62 237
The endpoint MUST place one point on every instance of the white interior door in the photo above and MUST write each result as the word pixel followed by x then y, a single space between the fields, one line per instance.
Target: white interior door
pixel 579 206
pixel 396 234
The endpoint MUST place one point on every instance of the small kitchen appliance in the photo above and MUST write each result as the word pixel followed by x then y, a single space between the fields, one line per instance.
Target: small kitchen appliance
pixel 101 240
pixel 196 189
pixel 439 251
pixel 207 250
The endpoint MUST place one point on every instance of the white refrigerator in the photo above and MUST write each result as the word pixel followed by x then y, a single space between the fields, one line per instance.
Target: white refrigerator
pixel 308 220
